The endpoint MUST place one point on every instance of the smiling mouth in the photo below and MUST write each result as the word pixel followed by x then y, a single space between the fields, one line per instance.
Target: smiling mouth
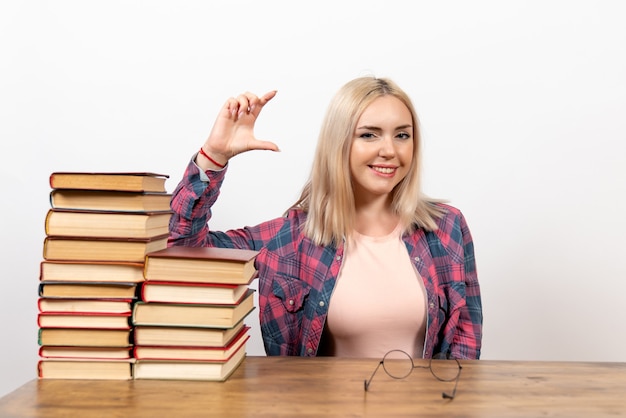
pixel 383 170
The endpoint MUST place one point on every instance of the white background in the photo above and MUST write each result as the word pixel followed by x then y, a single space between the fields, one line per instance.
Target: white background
pixel 522 105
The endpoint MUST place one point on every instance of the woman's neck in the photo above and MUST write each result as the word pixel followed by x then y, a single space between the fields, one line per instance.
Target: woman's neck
pixel 375 219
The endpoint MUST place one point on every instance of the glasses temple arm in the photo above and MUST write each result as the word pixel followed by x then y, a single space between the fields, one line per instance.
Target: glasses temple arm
pixel 456 383
pixel 367 382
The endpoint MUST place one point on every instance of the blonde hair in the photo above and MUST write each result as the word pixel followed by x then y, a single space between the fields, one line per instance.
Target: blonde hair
pixel 328 196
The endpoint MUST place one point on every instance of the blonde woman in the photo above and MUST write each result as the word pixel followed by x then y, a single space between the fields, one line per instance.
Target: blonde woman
pixel 363 263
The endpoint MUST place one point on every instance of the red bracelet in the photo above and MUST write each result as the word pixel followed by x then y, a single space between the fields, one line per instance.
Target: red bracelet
pixel 211 159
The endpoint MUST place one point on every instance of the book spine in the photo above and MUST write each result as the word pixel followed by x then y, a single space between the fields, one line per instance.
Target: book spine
pixel 47 222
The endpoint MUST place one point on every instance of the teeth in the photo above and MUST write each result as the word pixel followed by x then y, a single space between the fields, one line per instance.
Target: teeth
pixel 383 170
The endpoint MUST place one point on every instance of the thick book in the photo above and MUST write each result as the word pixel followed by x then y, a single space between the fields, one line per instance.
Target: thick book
pixel 192 315
pixel 88 290
pixel 189 370
pixel 102 320
pixel 201 264
pixel 181 292
pixel 85 369
pixel 64 222
pixel 88 271
pixel 72 352
pixel 134 181
pixel 101 249
pixel 69 305
pixel 186 336
pixel 151 352
pixel 84 337
pixel 109 200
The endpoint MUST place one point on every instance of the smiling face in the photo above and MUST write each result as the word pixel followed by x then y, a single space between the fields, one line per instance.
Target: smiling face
pixel 382 148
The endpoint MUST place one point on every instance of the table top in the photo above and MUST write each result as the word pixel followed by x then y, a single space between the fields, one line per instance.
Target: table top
pixel 330 386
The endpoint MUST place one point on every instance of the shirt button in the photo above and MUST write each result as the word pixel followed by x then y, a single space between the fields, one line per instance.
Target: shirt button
pixel 432 305
pixel 338 257
pixel 309 350
pixel 417 259
pixel 322 303
pixel 291 302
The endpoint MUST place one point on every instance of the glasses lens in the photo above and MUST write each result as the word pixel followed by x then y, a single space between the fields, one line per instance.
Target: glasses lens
pixel 445 370
pixel 398 364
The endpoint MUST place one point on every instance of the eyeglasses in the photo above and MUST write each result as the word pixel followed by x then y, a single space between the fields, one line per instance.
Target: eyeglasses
pixel 399 364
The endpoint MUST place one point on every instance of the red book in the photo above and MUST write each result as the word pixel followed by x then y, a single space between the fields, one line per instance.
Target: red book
pixel 219 353
pixel 189 369
pixel 64 306
pixel 73 352
pixel 103 320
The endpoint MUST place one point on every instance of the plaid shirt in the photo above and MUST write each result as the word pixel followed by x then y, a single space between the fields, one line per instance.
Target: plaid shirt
pixel 297 277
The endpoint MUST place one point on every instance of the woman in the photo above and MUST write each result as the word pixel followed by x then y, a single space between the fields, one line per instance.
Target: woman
pixel 362 263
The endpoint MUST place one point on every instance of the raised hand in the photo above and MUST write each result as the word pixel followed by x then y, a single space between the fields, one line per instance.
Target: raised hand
pixel 233 130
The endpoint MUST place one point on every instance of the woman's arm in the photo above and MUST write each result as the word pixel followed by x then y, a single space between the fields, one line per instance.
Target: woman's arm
pixel 232 134
pixel 467 340
pixel 191 202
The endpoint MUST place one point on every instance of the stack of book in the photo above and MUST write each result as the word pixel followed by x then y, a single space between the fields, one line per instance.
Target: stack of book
pixel 189 321
pixel 98 231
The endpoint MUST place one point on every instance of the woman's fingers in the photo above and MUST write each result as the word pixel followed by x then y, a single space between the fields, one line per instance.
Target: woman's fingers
pixel 232 106
pixel 233 131
pixel 249 103
pixel 263 145
pixel 256 107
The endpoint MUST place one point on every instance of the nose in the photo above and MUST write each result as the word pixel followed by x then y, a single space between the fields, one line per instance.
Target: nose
pixel 387 147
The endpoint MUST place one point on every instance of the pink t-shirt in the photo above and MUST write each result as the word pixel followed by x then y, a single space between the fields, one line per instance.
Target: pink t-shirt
pixel 379 301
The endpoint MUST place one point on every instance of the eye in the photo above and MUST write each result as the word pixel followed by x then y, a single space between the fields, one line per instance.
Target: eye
pixel 368 135
pixel 403 135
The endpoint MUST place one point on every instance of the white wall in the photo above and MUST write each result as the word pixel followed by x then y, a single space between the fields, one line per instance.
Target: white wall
pixel 522 105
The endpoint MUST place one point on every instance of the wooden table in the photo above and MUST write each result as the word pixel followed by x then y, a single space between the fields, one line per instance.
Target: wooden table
pixel 324 386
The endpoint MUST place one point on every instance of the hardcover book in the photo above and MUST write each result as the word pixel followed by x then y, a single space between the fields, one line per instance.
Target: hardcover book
pixel 73 352
pixel 109 200
pixel 63 222
pixel 84 337
pixel 101 249
pixel 192 315
pixel 151 352
pixel 181 292
pixel 87 290
pixel 84 271
pixel 189 370
pixel 102 320
pixel 201 264
pixel 186 336
pixel 85 369
pixel 67 305
pixel 126 181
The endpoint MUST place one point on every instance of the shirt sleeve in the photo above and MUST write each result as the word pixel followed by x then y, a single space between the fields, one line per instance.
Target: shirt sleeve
pixel 191 204
pixel 468 337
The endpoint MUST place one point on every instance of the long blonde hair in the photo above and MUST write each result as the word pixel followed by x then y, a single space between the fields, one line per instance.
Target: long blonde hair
pixel 328 195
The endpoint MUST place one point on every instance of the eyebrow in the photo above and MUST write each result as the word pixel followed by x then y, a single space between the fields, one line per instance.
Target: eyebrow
pixel 376 128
